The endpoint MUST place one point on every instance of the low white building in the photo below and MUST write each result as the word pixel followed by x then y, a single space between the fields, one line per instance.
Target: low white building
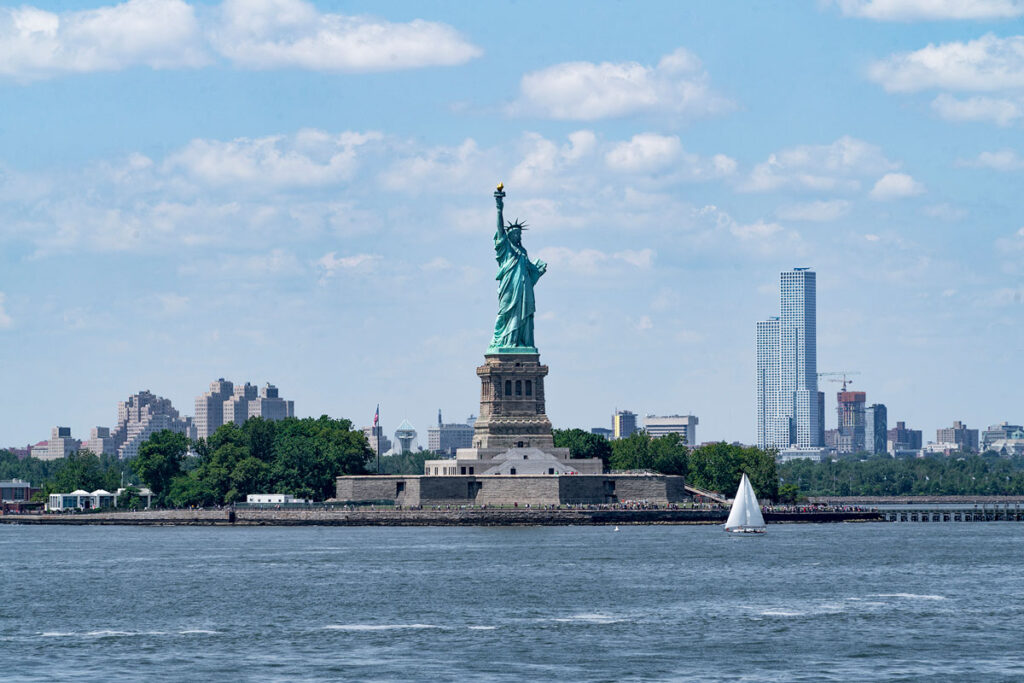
pixel 273 499
pixel 84 500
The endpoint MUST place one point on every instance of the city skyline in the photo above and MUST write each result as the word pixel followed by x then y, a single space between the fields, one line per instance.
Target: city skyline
pixel 175 210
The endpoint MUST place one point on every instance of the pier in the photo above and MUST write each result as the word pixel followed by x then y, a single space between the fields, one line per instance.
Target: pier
pixel 954 513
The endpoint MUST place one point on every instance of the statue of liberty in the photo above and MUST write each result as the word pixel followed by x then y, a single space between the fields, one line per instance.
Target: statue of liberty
pixel 513 328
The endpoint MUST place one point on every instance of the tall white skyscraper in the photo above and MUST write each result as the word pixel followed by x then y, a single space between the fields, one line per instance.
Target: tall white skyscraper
pixel 787 368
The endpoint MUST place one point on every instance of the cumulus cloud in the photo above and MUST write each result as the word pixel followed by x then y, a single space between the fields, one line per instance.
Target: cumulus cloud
pixel 1000 160
pixel 896 186
pixel 819 212
pixel 910 10
pixel 5 320
pixel 986 64
pixel 998 110
pixel 331 264
pixel 311 157
pixel 37 44
pixel 819 167
pixel 269 34
pixel 650 153
pixel 586 91
pixel 440 169
pixel 252 34
pixel 593 261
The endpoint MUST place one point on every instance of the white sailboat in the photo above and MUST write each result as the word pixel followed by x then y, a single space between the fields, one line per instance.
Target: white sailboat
pixel 745 516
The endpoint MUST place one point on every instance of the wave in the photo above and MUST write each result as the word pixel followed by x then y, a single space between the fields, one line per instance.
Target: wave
pixel 198 631
pixel 780 613
pixel 482 628
pixel 377 627
pixel 589 619
pixel 908 596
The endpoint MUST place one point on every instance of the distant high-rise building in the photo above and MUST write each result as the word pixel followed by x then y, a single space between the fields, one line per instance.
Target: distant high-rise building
pixel 60 445
pixel 623 424
pixel 821 422
pixel 405 435
pixel 602 431
pixel 900 439
pixel 850 409
pixel 210 407
pixel 787 368
pixel 684 425
pixel 997 436
pixel 447 438
pixel 966 439
pixel 875 429
pixel 270 406
pixel 142 415
pixel 100 441
pixel 236 408
pixel 375 437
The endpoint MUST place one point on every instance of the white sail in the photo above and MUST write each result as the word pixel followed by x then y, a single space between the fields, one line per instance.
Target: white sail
pixel 745 513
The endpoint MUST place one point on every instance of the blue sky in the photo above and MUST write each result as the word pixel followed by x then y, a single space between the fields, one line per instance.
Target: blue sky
pixel 274 190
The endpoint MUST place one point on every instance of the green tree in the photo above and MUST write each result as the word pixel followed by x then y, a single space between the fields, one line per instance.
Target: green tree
pixel 631 453
pixel 130 498
pixel 665 454
pixel 583 444
pixel 720 466
pixel 81 470
pixel 159 461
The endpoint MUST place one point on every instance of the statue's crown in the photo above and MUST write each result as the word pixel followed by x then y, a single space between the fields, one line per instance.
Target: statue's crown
pixel 517 224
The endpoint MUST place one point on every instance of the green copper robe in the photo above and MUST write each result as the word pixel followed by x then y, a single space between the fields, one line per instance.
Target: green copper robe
pixel 513 328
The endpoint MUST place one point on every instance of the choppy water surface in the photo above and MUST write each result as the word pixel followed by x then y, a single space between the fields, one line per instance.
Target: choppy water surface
pixel 808 602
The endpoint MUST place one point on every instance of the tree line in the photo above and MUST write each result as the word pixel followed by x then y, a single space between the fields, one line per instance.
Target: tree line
pixel 713 467
pixel 968 475
pixel 299 457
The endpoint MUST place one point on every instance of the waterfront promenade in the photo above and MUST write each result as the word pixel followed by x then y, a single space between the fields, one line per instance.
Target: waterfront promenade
pixel 449 516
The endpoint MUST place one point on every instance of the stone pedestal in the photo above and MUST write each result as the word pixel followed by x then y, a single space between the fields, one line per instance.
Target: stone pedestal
pixel 512 404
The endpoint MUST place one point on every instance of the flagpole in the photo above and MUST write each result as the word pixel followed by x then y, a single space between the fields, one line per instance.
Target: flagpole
pixel 379 430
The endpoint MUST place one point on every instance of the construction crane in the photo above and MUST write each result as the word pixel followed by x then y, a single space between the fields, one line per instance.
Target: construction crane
pixel 842 373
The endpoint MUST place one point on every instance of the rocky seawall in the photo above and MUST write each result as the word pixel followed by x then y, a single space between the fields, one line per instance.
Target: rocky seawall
pixel 453 517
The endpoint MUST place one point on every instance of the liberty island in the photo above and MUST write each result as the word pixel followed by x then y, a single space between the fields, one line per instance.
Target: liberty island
pixel 513 458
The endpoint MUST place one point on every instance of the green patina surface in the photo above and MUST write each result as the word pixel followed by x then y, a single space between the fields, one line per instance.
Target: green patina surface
pixel 517 274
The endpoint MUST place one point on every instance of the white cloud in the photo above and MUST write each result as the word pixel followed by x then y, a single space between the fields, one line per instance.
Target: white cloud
pixel 820 211
pixel 440 169
pixel 836 166
pixel 649 153
pixel 997 110
pixel 268 34
pixel 587 91
pixel 988 64
pixel 593 261
pixel 331 264
pixel 253 34
pixel 36 44
pixel 5 320
pixel 896 186
pixel 308 158
pixel 645 152
pixel 910 10
pixel 1000 160
pixel 757 230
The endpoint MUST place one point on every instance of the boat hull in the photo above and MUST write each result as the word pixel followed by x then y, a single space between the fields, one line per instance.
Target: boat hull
pixel 746 530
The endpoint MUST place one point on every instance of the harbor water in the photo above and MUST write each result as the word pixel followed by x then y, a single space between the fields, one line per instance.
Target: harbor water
pixel 840 602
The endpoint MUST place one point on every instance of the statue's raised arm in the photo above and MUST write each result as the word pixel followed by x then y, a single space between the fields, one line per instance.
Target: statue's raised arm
pixel 499 199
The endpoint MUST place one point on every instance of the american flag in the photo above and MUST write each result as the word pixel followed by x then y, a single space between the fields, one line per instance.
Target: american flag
pixel 376 416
